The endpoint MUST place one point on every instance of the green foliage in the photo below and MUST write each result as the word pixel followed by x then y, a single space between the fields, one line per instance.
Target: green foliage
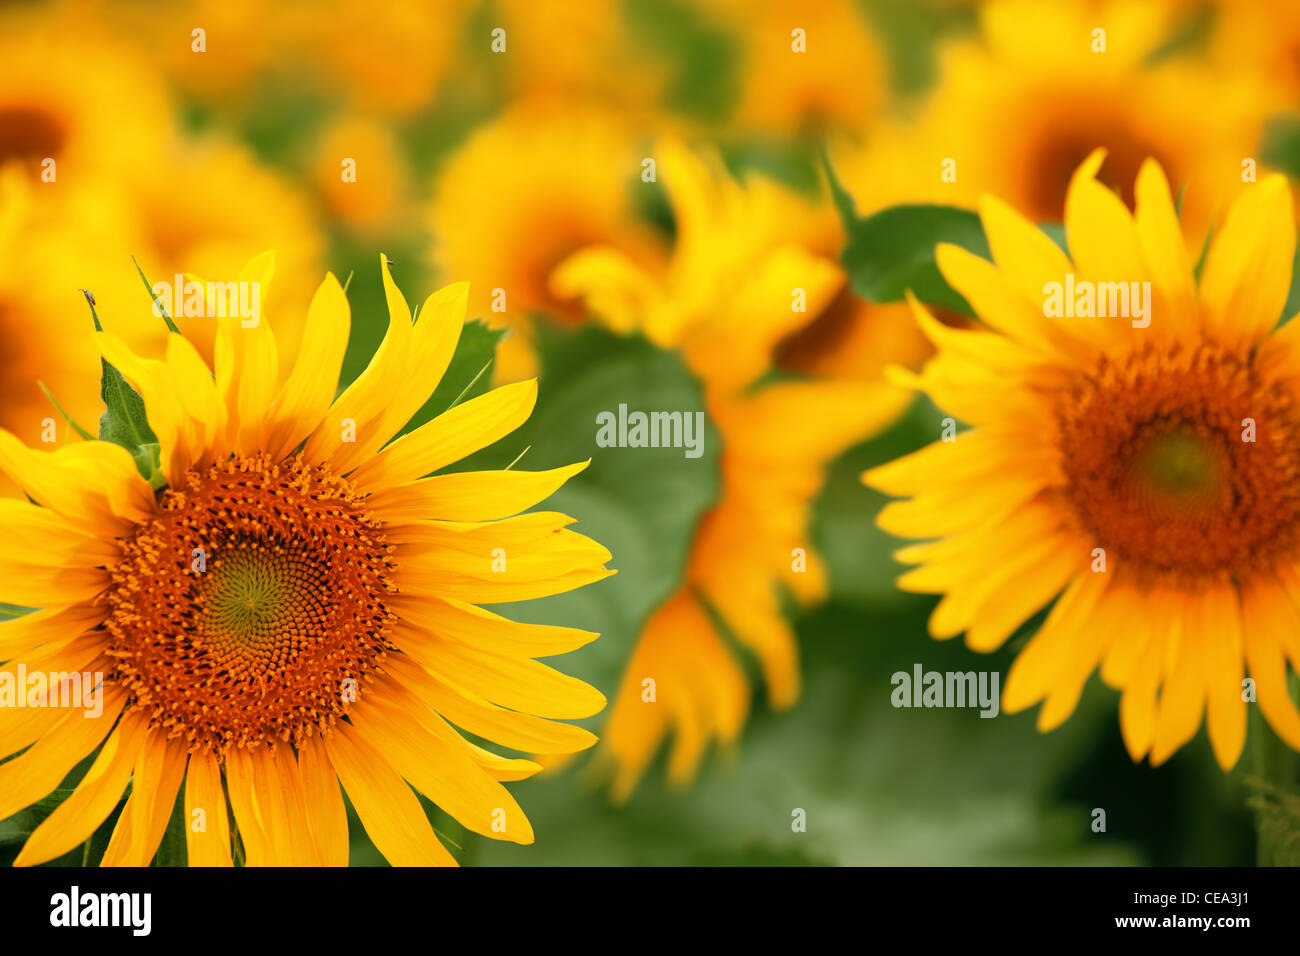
pixel 892 251
pixel 1278 815
pixel 124 423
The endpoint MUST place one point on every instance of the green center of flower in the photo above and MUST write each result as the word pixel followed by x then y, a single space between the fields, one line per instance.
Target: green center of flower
pixel 1178 464
pixel 252 593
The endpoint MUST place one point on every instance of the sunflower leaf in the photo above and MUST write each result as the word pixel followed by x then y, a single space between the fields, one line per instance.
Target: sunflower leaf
pixel 124 423
pixel 892 251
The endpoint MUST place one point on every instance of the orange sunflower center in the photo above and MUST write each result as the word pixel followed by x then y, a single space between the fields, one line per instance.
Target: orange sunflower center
pixel 29 134
pixel 251 606
pixel 1060 148
pixel 1181 462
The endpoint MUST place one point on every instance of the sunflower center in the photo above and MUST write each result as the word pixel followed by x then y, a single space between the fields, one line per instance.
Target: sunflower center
pixel 1182 462
pixel 1060 150
pixel 251 606
pixel 1178 464
pixel 30 135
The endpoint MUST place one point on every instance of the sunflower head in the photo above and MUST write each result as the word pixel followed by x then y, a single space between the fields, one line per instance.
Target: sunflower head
pixel 1133 470
pixel 293 603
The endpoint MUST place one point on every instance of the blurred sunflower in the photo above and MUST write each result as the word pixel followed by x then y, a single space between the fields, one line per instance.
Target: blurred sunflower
pixel 580 51
pixel 805 69
pixel 1018 108
pixel 1268 34
pixel 295 609
pixel 49 111
pixel 377 188
pixel 521 195
pixel 241 39
pixel 1142 478
pixel 198 207
pixel 389 58
pixel 44 258
pixel 727 301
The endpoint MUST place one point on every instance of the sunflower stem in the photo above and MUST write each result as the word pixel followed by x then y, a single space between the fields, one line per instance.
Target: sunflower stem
pixel 1277 770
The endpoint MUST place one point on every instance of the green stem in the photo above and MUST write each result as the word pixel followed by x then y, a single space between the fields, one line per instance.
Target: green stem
pixel 1276 764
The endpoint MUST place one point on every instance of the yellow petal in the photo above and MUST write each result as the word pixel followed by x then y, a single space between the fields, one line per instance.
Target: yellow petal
pixel 326 815
pixel 97 793
pixel 519 684
pixel 451 436
pixel 309 389
pixel 465 709
pixel 470 495
pixel 211 845
pixel 388 809
pixel 442 772
pixel 159 770
pixel 1247 273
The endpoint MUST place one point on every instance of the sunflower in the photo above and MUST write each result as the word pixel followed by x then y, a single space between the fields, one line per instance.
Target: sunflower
pixel 48 110
pixel 1137 474
pixel 1017 108
pixel 805 68
pixel 725 302
pixel 581 51
pixel 198 207
pixel 296 609
pixel 44 257
pixel 520 196
pixel 368 201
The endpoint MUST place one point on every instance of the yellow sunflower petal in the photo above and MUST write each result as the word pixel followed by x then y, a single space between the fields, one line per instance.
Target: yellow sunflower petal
pixel 470 495
pixel 38 770
pixel 326 815
pixel 309 390
pixel 95 796
pixel 442 772
pixel 1247 273
pixel 159 770
pixel 388 809
pixel 519 684
pixel 451 436
pixel 210 845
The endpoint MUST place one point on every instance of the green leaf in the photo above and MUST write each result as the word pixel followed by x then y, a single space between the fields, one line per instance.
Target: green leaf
pixel 1280 144
pixel 124 423
pixel 892 251
pixel 1293 297
pixel 1277 813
